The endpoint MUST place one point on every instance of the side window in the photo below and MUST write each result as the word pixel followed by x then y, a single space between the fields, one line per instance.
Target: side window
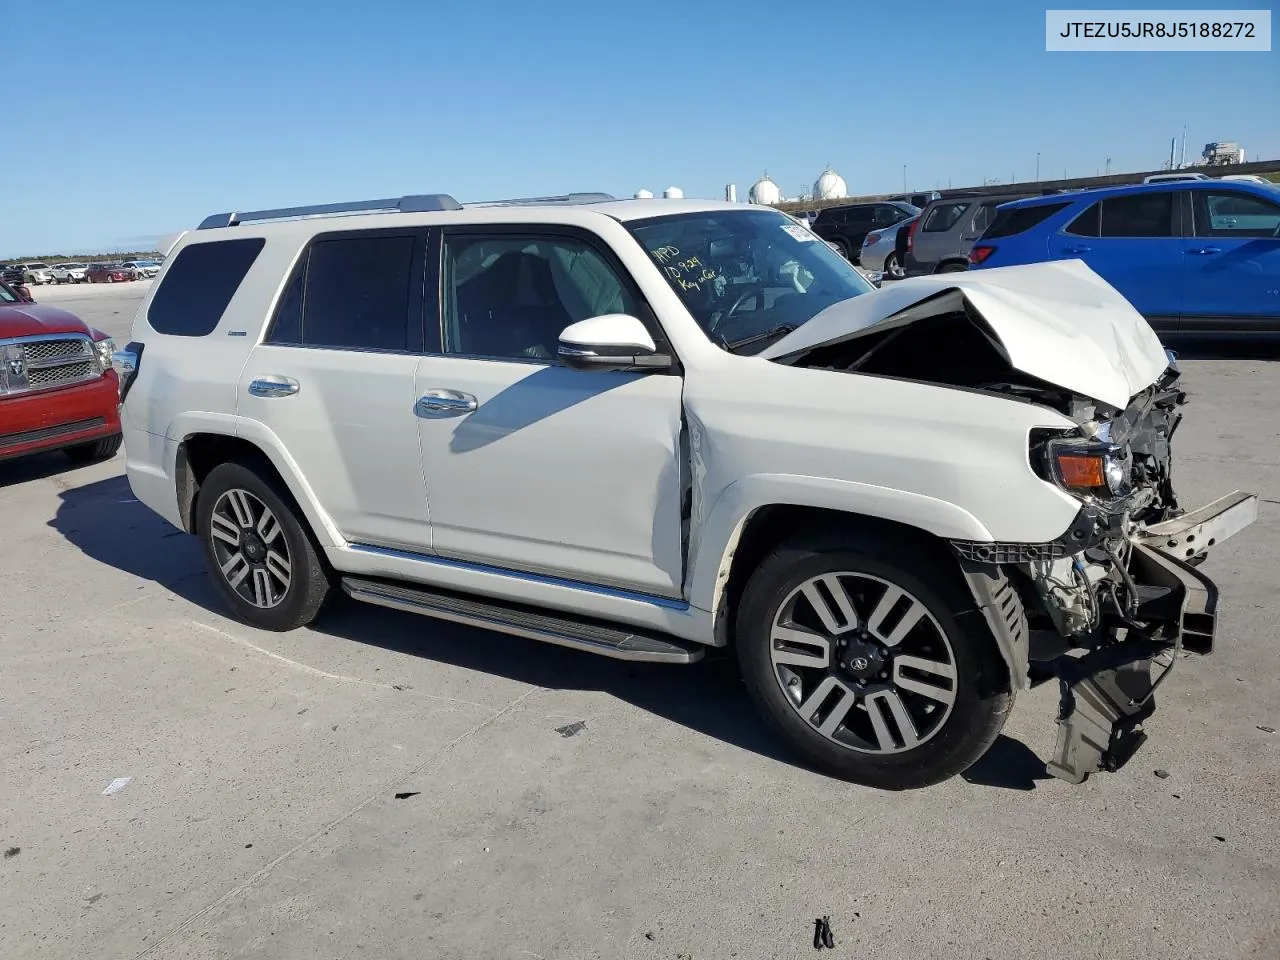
pixel 1234 215
pixel 982 219
pixel 942 217
pixel 356 293
pixel 509 297
pixel 199 285
pixel 1138 215
pixel 1086 225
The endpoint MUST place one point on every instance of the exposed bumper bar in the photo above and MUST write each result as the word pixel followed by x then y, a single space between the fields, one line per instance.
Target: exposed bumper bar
pixel 1192 534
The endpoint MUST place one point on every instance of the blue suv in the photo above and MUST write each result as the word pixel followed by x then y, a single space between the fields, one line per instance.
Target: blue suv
pixel 1193 257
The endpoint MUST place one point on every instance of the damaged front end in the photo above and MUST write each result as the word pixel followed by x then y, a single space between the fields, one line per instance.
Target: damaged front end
pixel 1113 603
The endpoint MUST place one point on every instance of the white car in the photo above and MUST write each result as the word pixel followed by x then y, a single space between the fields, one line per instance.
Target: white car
pixel 145 269
pixel 37 273
pixel 1174 177
pixel 1248 178
pixel 69 272
pixel 647 428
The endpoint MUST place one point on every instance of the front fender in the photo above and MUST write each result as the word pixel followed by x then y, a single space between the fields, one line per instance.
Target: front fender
pixel 710 557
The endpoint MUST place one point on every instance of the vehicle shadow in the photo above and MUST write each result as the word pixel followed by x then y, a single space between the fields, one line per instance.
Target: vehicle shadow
pixel 106 523
pixel 1254 347
pixel 37 466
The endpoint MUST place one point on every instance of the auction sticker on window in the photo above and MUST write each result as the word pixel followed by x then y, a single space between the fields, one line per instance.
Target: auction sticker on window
pixel 1158 30
pixel 799 232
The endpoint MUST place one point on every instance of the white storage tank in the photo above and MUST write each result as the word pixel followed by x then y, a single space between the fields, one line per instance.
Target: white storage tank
pixel 673 193
pixel 764 191
pixel 829 186
pixel 643 195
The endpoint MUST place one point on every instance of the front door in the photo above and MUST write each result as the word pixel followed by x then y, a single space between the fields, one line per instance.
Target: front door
pixel 1232 262
pixel 532 466
pixel 333 381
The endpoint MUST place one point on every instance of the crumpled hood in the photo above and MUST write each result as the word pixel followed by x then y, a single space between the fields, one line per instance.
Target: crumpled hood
pixel 34 319
pixel 1058 321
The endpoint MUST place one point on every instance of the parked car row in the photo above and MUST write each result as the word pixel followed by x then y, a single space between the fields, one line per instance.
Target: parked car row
pixel 1192 256
pixel 38 273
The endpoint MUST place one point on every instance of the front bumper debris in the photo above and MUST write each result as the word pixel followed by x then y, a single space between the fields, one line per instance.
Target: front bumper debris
pixel 1108 693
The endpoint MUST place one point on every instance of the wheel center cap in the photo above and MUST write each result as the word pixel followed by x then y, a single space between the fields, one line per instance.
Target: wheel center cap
pixel 254 548
pixel 863 660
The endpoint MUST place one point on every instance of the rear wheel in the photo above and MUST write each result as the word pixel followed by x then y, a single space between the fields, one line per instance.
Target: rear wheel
pixel 103 449
pixel 871 663
pixel 261 558
pixel 953 267
pixel 892 268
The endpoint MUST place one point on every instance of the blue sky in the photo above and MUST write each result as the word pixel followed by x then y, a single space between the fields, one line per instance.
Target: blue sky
pixel 137 120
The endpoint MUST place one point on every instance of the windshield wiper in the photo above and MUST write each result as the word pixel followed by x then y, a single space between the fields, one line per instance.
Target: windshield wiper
pixel 764 339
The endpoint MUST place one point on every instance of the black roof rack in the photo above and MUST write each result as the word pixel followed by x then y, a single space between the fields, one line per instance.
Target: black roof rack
pixel 417 203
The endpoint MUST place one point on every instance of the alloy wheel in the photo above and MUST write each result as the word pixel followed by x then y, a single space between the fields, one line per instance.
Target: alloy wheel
pixel 250 548
pixel 893 268
pixel 863 662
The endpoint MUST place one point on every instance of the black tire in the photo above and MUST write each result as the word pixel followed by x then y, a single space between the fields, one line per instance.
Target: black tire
pixel 891 267
pixel 952 267
pixel 103 449
pixel 309 582
pixel 981 695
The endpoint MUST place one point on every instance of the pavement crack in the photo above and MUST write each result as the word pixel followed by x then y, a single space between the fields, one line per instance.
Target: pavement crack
pixel 379 793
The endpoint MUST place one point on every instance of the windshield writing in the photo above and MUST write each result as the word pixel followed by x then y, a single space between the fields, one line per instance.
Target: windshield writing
pixel 746 274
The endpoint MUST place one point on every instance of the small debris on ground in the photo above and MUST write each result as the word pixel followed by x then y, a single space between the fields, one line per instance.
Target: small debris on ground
pixel 116 785
pixel 570 729
pixel 684 955
pixel 1162 774
pixel 648 935
pixel 303 710
pixel 94 899
pixel 1267 729
pixel 12 852
pixel 248 846
pixel 1220 839
pixel 407 794
pixel 400 686
pixel 822 935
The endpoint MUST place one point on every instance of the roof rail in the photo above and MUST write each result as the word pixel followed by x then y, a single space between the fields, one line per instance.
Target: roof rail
pixel 418 203
pixel 565 200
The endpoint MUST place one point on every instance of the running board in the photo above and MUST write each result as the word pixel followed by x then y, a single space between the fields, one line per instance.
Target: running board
pixel 560 629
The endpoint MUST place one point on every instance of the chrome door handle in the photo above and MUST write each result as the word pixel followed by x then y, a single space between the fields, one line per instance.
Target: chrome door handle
pixel 272 386
pixel 450 402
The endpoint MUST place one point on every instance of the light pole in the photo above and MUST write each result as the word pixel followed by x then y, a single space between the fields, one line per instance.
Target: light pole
pixel 1037 166
pixel 904 178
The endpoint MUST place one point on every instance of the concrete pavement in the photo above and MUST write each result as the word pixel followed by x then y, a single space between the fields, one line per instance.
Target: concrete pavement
pixel 262 817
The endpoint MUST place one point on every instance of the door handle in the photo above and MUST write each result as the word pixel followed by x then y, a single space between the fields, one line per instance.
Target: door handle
pixel 1075 249
pixel 448 402
pixel 273 386
pixel 1204 250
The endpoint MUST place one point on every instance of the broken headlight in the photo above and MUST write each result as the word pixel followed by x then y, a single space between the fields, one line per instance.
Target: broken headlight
pixel 1094 467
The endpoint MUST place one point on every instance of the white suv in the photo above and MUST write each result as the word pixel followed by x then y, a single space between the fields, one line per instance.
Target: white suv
pixel 645 428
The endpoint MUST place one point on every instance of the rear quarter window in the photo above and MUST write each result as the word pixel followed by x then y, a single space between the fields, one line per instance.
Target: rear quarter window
pixel 942 217
pixel 199 284
pixel 1009 223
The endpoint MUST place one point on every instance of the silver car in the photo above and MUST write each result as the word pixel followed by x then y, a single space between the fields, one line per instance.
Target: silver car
pixel 879 250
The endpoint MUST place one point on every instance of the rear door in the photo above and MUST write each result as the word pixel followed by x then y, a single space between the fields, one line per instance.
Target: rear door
pixel 1133 242
pixel 1232 257
pixel 333 381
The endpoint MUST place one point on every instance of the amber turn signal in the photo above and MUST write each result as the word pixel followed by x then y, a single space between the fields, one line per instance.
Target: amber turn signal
pixel 1082 471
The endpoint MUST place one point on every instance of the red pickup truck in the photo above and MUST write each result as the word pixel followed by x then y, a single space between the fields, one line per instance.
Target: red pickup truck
pixel 58 390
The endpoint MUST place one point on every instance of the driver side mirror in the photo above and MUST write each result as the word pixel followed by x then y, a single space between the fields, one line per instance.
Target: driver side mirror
pixel 614 341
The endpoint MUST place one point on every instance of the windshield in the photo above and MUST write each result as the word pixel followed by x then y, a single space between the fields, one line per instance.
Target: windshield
pixel 6 295
pixel 746 274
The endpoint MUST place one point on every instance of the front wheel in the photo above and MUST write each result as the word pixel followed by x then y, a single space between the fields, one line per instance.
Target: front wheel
pixel 870 662
pixel 261 557
pixel 892 268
